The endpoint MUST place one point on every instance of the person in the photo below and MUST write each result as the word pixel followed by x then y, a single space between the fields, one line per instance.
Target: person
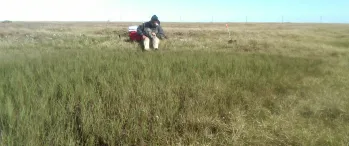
pixel 151 31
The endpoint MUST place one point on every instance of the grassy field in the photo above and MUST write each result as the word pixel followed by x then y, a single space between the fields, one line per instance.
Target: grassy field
pixel 81 84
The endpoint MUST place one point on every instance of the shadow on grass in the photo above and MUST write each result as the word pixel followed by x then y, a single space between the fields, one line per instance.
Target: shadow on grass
pixel 139 43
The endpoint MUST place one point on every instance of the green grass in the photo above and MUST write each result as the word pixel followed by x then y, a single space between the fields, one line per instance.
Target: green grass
pixel 82 85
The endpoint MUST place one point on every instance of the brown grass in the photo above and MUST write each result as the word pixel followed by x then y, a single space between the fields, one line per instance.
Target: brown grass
pixel 79 83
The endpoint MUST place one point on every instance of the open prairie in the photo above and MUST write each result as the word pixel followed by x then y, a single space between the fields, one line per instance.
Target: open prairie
pixel 83 83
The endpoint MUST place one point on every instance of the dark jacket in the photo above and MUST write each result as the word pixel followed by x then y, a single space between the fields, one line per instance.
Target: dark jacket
pixel 147 28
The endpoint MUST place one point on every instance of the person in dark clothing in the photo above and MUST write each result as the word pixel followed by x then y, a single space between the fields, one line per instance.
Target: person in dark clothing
pixel 151 30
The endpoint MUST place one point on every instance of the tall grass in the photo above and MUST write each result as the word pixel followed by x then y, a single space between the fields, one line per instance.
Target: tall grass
pixel 98 90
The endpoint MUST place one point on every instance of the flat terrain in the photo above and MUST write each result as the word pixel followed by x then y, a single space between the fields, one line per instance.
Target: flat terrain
pixel 85 84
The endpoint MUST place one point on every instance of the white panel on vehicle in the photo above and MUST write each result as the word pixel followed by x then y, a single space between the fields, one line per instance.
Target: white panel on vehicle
pixel 132 28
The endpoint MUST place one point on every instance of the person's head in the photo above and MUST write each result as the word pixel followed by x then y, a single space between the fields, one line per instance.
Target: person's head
pixel 154 20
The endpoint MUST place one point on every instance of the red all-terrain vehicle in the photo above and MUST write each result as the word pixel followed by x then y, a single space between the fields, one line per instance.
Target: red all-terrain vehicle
pixel 132 32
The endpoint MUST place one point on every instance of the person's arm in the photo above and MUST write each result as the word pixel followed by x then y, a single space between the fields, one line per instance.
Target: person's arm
pixel 161 32
pixel 140 29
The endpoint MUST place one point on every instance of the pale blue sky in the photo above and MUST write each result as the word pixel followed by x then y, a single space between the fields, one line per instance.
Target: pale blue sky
pixel 336 11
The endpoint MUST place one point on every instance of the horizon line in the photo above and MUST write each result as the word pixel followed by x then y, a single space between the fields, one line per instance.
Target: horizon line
pixel 107 21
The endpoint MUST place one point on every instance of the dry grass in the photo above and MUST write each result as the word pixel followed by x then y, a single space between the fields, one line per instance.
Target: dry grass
pixel 81 84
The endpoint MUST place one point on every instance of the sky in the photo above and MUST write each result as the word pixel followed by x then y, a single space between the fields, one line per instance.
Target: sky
pixel 331 11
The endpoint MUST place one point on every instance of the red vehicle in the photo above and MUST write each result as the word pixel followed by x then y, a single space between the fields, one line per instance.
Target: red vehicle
pixel 132 32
